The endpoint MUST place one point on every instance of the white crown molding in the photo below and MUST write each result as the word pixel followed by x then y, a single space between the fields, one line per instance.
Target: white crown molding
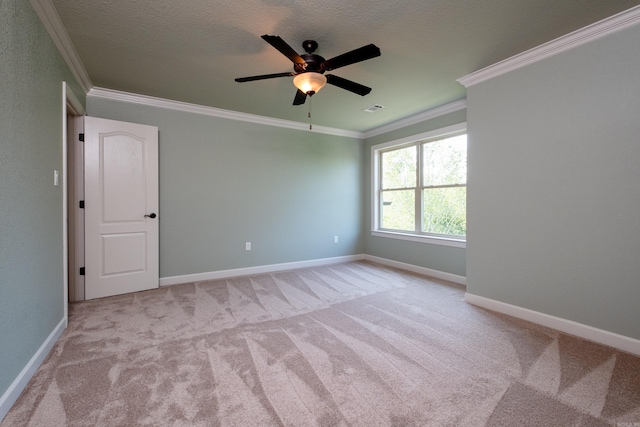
pixel 417 118
pixel 53 24
pixel 151 101
pixel 579 37
pixel 116 95
pixel 600 336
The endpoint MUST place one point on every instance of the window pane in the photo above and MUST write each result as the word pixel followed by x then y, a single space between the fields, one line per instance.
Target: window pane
pixel 398 210
pixel 445 210
pixel 445 161
pixel 399 168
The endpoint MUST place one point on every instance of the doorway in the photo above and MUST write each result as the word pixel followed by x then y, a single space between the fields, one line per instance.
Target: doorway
pixel 120 248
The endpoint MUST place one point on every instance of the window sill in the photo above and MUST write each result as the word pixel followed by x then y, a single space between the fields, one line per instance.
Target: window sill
pixel 443 241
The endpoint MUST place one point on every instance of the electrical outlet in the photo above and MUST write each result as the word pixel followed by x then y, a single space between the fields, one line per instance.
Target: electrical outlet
pixel 335 239
pixel 247 246
pixel 56 181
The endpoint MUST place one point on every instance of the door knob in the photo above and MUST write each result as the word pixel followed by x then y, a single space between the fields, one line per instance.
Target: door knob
pixel 152 215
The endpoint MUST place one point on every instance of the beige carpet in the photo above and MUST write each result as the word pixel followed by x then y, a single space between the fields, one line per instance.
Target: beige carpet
pixel 349 344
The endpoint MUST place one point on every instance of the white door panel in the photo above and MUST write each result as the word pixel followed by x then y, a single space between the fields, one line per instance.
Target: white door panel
pixel 124 253
pixel 121 191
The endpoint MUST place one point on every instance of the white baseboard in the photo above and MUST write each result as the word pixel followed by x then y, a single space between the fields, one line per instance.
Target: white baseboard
pixel 237 272
pixel 600 336
pixel 247 271
pixel 462 280
pixel 17 386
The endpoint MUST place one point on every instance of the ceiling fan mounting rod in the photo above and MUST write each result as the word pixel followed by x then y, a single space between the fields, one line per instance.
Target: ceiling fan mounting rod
pixel 309 46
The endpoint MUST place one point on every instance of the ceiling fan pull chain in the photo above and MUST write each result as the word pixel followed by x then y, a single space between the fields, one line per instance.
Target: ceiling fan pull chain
pixel 309 113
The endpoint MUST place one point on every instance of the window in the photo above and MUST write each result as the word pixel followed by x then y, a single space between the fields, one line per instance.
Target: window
pixel 420 187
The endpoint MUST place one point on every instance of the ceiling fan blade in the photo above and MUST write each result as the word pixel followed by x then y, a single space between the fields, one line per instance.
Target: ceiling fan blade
pixel 361 54
pixel 264 76
pixel 284 48
pixel 300 98
pixel 348 85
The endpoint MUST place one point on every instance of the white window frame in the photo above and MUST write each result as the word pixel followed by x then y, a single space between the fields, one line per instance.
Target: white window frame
pixel 375 184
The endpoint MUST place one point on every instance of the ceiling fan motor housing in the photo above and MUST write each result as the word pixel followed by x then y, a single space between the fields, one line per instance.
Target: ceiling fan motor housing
pixel 311 63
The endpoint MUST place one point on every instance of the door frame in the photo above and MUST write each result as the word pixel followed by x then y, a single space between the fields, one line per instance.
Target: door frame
pixel 72 111
pixel 75 184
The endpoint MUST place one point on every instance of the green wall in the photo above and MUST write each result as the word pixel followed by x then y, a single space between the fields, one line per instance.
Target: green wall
pixel 226 182
pixel 31 257
pixel 436 257
pixel 554 185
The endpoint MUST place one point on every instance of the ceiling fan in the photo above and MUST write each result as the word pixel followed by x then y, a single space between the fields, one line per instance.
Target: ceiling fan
pixel 309 68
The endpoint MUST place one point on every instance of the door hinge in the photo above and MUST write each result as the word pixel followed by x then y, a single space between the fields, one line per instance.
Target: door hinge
pixel 81 204
pixel 82 271
pixel 81 137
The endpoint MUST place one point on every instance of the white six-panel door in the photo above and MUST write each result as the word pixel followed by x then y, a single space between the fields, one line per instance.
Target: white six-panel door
pixel 121 207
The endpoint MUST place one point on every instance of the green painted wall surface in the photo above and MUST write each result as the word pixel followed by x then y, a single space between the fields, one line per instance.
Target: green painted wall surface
pixel 226 182
pixel 442 258
pixel 554 185
pixel 31 258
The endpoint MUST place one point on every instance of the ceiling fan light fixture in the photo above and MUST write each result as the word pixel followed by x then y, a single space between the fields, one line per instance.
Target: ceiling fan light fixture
pixel 309 82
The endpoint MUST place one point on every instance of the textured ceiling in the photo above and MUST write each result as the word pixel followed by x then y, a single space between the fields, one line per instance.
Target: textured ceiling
pixel 191 51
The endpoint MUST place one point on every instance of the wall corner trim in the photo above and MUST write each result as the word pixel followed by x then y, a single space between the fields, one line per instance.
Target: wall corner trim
pixel 53 24
pixel 569 41
pixel 442 275
pixel 600 336
pixel 18 385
